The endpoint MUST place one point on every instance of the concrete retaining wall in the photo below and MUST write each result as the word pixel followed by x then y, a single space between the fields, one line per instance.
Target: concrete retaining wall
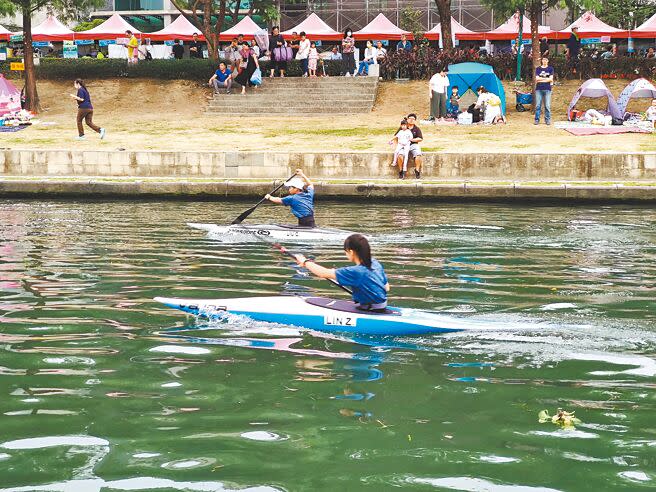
pixel 271 165
pixel 406 192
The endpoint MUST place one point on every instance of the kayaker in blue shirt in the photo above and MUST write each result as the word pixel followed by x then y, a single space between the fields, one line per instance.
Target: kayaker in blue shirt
pixel 300 199
pixel 366 278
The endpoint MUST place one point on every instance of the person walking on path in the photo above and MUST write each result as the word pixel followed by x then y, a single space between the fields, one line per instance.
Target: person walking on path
pixel 84 110
pixel 300 199
pixel 348 54
pixel 437 92
pixel 415 148
pixel 544 77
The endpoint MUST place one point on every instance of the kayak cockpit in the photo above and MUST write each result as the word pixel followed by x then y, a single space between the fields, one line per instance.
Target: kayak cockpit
pixel 347 306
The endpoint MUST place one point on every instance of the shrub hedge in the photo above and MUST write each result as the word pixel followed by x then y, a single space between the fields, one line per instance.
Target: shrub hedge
pixel 186 69
pixel 421 63
pixel 418 64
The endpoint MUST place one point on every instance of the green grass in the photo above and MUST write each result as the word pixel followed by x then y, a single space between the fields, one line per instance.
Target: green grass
pixel 432 149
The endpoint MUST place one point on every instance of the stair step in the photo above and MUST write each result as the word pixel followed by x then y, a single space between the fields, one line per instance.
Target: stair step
pixel 295 111
pixel 261 99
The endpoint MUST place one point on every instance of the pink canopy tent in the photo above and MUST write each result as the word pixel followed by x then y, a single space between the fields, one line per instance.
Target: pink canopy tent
pixel 4 34
pixel 180 28
pixel 507 31
pixel 314 28
pixel 646 30
pixel 112 28
pixel 381 28
pixel 456 30
pixel 52 30
pixel 9 96
pixel 591 27
pixel 246 26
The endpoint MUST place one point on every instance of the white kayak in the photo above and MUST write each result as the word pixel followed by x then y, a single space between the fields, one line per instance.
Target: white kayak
pixel 277 232
pixel 324 314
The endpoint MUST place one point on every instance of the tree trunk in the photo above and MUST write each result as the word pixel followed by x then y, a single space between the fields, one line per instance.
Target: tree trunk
pixel 444 11
pixel 212 42
pixel 534 13
pixel 31 95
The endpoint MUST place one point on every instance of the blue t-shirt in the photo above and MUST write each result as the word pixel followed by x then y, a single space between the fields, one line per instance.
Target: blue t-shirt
pixel 222 76
pixel 82 93
pixel 302 204
pixel 544 72
pixel 368 284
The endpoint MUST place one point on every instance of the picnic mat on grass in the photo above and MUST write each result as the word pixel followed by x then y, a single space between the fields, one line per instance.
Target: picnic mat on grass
pixel 11 129
pixel 604 130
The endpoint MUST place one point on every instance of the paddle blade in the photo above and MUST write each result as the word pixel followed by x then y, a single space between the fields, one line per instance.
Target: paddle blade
pixel 243 215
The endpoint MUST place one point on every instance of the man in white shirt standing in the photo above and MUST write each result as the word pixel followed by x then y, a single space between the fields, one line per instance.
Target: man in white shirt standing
pixel 437 92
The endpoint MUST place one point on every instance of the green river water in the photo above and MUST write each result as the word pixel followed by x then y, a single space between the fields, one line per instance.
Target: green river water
pixel 103 389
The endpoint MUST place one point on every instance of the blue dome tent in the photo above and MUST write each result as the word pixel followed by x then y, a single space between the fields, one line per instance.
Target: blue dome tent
pixel 471 75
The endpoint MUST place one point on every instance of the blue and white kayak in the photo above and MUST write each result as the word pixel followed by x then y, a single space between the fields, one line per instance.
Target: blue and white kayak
pixel 276 232
pixel 324 314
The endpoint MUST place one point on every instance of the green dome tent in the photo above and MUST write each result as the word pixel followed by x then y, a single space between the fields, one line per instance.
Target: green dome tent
pixel 472 75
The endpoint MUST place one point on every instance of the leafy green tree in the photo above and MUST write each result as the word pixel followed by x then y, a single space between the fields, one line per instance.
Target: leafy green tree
pixel 616 12
pixel 202 12
pixel 65 8
pixel 85 26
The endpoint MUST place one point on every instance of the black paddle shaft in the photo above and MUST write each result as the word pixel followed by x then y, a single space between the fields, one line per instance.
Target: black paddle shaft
pixel 245 214
pixel 285 251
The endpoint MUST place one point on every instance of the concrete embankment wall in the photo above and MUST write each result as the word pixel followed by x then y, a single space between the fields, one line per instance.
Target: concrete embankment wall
pixel 352 175
pixel 326 165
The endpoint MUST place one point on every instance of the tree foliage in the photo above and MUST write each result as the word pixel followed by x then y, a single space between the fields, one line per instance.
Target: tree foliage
pixel 202 12
pixel 616 12
pixel 85 26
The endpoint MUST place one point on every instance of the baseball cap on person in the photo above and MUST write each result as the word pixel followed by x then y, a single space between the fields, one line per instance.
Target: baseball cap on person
pixel 295 183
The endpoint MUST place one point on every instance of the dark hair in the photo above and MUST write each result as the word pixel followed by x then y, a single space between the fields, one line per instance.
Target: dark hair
pixel 360 246
pixel 455 87
pixel 128 32
pixel 274 28
pixel 195 34
pixel 234 39
pixel 302 33
pixel 403 122
pixel 481 89
pixel 346 31
pixel 412 115
pixel 80 82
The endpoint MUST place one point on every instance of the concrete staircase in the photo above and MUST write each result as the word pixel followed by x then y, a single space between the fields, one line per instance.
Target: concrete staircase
pixel 297 95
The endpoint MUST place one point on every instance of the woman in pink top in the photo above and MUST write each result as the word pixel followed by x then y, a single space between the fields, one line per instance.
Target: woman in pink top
pixel 348 54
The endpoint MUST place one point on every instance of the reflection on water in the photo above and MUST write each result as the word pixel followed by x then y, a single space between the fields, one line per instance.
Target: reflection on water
pixel 102 389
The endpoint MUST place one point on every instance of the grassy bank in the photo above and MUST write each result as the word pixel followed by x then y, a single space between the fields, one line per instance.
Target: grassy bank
pixel 169 115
